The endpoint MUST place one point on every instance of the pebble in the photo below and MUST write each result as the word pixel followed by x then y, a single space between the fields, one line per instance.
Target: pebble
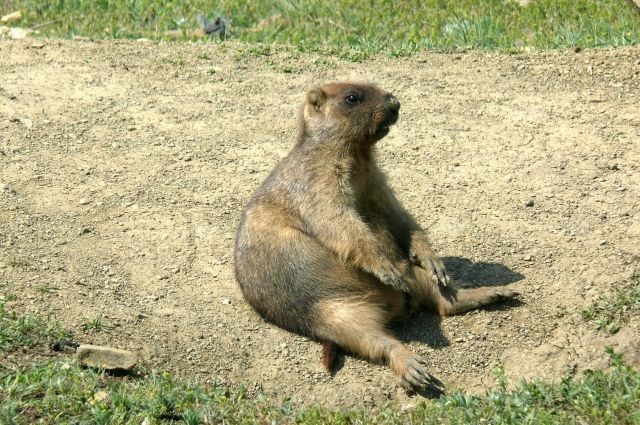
pixel 529 203
pixel 84 201
pixel 11 17
pixel 26 122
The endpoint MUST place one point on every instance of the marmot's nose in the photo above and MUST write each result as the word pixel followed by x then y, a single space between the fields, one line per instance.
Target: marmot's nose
pixel 394 103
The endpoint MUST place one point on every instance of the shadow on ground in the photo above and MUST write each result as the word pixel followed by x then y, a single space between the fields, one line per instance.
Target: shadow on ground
pixel 470 274
pixel 424 326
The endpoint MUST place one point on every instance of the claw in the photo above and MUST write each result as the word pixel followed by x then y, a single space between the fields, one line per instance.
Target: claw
pixel 406 385
pixel 393 278
pixel 507 293
pixel 418 378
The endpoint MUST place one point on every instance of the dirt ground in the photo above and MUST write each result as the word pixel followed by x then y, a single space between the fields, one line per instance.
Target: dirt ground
pixel 124 167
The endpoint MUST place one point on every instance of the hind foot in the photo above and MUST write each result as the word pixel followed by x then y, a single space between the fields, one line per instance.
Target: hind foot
pixel 415 377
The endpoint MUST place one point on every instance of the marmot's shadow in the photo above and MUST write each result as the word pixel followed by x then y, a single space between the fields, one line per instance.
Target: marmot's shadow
pixel 470 274
pixel 424 326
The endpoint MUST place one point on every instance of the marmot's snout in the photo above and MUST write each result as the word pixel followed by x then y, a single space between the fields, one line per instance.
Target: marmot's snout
pixel 392 105
pixel 392 102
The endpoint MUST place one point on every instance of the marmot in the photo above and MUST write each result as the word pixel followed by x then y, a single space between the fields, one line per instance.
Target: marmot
pixel 325 250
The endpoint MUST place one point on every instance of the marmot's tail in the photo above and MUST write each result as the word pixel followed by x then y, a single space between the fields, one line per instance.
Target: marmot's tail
pixel 330 353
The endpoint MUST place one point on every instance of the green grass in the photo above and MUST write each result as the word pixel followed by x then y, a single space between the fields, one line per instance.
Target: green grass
pixel 95 325
pixel 59 391
pixel 27 331
pixel 612 312
pixel 352 28
pixel 20 264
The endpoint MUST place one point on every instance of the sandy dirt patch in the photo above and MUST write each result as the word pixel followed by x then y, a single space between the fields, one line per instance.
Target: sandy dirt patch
pixel 124 167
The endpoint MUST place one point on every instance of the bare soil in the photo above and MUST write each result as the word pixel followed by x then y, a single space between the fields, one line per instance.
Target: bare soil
pixel 124 167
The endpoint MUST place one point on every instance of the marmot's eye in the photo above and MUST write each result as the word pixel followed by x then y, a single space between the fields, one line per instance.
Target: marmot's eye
pixel 352 99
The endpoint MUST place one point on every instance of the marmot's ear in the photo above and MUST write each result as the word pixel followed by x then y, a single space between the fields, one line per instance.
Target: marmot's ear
pixel 316 97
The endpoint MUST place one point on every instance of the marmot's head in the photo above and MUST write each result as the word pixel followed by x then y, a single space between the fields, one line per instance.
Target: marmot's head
pixel 348 112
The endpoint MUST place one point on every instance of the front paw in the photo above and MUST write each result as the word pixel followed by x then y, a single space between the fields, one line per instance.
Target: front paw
pixel 390 275
pixel 432 264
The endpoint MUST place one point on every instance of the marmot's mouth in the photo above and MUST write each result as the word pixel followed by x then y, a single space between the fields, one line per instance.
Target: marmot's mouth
pixel 385 126
pixel 390 119
pixel 382 131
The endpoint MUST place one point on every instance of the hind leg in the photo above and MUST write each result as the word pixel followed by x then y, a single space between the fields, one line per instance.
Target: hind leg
pixel 358 325
pixel 449 300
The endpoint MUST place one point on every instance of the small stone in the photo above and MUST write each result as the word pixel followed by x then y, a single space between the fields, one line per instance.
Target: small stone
pixel 226 301
pixel 18 33
pixel 98 397
pixel 11 17
pixel 65 345
pixel 529 203
pixel 603 242
pixel 84 201
pixel 528 258
pixel 26 122
pixel 105 357
pixel 238 369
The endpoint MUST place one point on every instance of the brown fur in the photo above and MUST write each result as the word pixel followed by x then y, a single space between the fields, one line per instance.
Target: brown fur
pixel 324 248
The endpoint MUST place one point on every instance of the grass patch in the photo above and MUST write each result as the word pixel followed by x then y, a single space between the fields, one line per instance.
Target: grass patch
pixel 95 325
pixel 20 264
pixel 27 331
pixel 610 313
pixel 59 391
pixel 47 289
pixel 352 28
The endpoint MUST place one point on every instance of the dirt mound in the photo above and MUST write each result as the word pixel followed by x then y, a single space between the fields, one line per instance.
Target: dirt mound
pixel 124 167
